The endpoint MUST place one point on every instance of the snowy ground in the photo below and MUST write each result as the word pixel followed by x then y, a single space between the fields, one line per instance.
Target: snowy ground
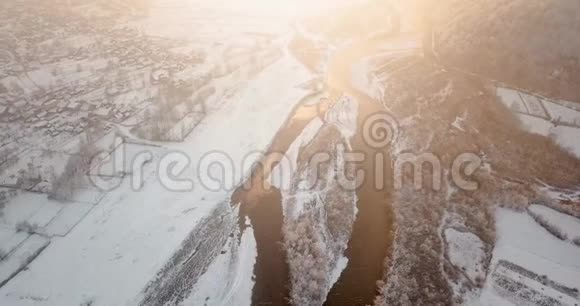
pixel 115 242
pixel 129 235
pixel 527 244
pixel 567 227
pixel 559 120
pixel 229 278
pixel 466 251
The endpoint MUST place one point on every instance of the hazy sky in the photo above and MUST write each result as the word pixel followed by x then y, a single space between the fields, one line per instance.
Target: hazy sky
pixel 278 7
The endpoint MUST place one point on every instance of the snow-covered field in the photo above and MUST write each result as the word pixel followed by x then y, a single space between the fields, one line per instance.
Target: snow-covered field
pixel 229 278
pixel 566 226
pixel 522 241
pixel 555 119
pixel 129 235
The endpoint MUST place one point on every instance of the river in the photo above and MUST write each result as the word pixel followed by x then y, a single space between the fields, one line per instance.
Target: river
pixel 372 234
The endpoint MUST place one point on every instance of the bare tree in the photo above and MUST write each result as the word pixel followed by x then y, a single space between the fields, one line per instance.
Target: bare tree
pixel 71 180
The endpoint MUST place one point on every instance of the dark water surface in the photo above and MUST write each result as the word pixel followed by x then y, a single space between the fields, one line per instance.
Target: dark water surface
pixel 369 245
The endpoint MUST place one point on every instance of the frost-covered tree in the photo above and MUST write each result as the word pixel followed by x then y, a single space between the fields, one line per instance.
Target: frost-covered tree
pixel 532 44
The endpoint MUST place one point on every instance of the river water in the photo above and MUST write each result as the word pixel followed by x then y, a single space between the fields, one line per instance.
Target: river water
pixel 372 234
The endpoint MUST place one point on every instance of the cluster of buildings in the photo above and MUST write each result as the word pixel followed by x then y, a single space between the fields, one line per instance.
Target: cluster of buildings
pixel 60 71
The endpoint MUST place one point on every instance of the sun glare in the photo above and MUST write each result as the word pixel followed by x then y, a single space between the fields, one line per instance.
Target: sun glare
pixel 280 8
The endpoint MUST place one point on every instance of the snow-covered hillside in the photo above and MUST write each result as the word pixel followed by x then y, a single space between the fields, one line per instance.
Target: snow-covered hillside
pixel 531 44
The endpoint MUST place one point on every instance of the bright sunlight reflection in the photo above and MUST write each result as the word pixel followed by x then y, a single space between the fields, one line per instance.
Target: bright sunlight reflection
pixel 282 8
